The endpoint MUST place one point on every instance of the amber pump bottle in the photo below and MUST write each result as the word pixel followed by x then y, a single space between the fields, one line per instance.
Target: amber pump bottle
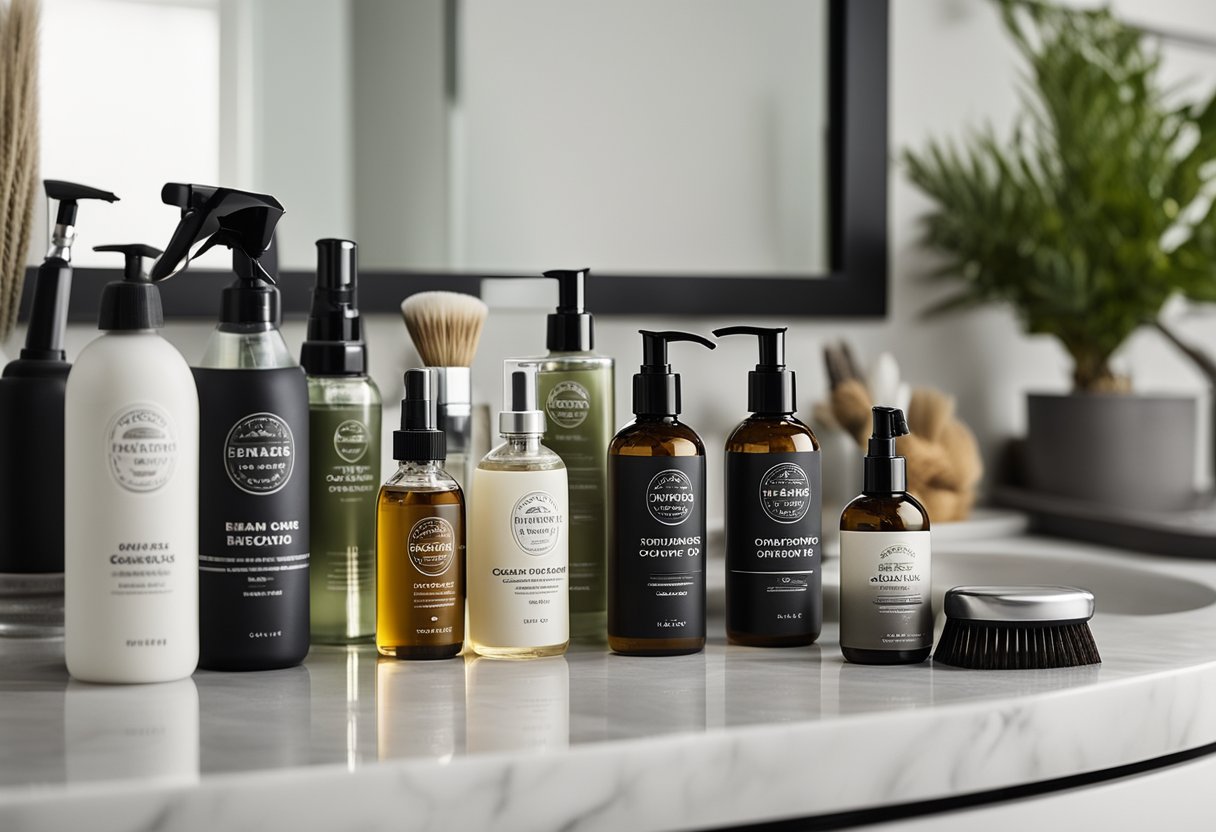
pixel 420 531
pixel 886 611
pixel 774 586
pixel 656 487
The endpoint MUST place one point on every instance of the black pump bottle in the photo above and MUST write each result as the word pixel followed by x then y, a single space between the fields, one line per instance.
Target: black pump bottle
pixel 31 427
pixel 774 584
pixel 253 443
pixel 886 610
pixel 656 519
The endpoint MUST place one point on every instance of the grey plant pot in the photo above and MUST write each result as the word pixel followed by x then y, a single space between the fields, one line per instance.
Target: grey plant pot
pixel 1131 451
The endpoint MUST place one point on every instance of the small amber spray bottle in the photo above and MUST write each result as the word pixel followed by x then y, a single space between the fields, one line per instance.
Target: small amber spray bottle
pixel 420 539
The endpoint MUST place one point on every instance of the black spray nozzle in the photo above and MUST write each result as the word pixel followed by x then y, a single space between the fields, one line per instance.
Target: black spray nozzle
pixel 419 440
pixel 770 387
pixel 570 328
pixel 135 253
pixel 884 471
pixel 334 344
pixel 240 220
pixel 67 193
pixel 656 389
pixel 134 301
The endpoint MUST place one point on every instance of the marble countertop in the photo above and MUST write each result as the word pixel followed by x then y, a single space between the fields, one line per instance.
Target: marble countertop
pixel 596 741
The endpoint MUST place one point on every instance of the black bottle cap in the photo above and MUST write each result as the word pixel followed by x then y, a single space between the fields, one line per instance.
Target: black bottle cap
pixel 334 345
pixel 770 387
pixel 240 220
pixel 67 193
pixel 885 472
pixel 134 301
pixel 656 389
pixel 570 328
pixel 419 440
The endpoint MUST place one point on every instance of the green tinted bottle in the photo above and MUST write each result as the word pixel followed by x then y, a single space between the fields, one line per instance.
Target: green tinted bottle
pixel 344 431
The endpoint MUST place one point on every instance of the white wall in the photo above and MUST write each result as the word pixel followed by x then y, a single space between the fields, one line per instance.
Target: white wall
pixel 950 67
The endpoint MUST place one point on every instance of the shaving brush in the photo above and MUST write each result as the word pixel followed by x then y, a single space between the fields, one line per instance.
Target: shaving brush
pixel 446 328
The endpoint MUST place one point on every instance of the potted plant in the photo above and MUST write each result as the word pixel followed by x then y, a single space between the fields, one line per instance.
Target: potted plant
pixel 1086 220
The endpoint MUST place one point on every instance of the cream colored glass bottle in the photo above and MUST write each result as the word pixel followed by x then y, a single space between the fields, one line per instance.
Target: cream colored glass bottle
pixel 518 557
pixel 131 496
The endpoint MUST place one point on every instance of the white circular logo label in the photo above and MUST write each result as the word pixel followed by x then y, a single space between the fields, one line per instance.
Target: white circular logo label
pixel 143 448
pixel 432 546
pixel 568 404
pixel 785 493
pixel 536 523
pixel 259 453
pixel 350 441
pixel 670 497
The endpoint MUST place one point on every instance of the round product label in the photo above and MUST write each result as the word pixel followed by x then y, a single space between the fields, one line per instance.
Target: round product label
pixel 259 453
pixel 785 493
pixel 536 523
pixel 351 441
pixel 670 497
pixel 568 404
pixel 142 448
pixel 432 546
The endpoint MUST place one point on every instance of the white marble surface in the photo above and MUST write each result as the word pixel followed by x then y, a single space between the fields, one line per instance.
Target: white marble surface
pixel 594 741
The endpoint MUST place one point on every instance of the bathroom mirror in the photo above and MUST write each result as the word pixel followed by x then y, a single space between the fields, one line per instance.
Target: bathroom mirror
pixel 699 155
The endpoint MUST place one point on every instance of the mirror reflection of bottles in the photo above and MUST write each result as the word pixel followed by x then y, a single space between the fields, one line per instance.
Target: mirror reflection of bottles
pixel 519 597
pixel 344 454
pixel 634 688
pixel 254 445
pixel 280 706
pixel 342 684
pixel 517 706
pixel 143 733
pixel 420 709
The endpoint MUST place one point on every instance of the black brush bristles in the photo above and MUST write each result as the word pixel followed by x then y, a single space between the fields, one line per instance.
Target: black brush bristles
pixel 995 645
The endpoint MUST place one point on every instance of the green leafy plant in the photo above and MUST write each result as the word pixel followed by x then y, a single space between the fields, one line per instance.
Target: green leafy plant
pixel 1099 206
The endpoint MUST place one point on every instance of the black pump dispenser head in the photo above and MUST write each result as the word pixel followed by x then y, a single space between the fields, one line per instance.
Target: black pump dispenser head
pixel 334 345
pixel 419 440
pixel 656 389
pixel 133 302
pixel 240 220
pixel 49 311
pixel 770 387
pixel 885 472
pixel 570 328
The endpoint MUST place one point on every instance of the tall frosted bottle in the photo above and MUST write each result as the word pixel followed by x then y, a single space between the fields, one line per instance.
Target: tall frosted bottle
pixel 420 537
pixel 518 568
pixel 774 584
pixel 253 445
pixel 575 389
pixel 656 555
pixel 131 495
pixel 344 454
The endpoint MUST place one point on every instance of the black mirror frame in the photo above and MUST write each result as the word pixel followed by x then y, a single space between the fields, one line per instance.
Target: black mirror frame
pixel 855 285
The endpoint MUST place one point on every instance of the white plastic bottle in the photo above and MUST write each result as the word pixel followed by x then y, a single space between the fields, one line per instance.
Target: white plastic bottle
pixel 131 495
pixel 519 536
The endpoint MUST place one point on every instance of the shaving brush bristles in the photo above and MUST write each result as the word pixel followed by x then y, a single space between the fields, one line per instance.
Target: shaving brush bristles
pixel 988 645
pixel 445 327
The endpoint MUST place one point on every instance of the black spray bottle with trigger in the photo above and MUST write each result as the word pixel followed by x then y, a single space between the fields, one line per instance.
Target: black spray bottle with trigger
pixel 774 583
pixel 31 435
pixel 886 610
pixel 656 518
pixel 254 443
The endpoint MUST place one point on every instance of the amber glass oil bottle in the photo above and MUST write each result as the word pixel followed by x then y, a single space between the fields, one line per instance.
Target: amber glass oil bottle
pixel 420 539
pixel 774 585
pixel 886 610
pixel 656 487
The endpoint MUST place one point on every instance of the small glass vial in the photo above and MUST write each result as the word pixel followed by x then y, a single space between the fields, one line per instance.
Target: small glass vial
pixel 420 548
pixel 519 583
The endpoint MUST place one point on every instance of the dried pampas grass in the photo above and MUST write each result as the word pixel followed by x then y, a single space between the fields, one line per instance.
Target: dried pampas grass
pixel 18 149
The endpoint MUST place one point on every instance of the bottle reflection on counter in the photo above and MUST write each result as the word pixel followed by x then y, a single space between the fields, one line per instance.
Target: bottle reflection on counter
pixel 517 706
pixel 419 709
pixel 278 703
